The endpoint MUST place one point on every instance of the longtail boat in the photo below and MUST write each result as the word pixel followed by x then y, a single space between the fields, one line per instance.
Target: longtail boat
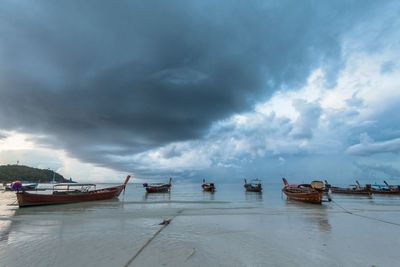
pixel 389 189
pixel 253 186
pixel 208 187
pixel 158 187
pixel 311 193
pixel 352 190
pixel 64 193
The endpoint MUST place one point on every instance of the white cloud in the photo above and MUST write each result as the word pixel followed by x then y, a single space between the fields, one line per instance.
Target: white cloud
pixel 21 148
pixel 15 141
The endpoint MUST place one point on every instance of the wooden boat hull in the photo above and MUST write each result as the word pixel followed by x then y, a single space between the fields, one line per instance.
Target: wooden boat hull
pixel 253 189
pixel 309 197
pixel 160 189
pixel 25 198
pixel 386 192
pixel 350 191
pixel 304 192
pixel 208 188
pixel 253 186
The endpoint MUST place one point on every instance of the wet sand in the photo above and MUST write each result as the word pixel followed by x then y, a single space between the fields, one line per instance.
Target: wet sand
pixel 228 228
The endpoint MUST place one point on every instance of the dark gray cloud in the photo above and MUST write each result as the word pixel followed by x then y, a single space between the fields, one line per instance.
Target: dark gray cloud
pixel 105 78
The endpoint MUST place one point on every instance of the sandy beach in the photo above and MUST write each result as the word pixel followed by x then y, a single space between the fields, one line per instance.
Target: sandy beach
pixel 228 228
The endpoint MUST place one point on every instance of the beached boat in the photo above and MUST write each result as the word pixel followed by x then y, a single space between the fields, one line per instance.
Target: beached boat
pixel 208 187
pixel 64 193
pixel 351 190
pixel 253 186
pixel 158 187
pixel 387 189
pixel 312 193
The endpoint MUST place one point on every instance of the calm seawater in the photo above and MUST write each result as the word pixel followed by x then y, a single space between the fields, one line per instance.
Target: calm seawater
pixel 227 228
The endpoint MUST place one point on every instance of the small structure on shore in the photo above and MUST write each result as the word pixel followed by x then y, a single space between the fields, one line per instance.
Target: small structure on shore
pixel 18 185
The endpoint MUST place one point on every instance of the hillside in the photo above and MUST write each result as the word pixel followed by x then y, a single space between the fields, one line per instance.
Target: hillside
pixel 9 173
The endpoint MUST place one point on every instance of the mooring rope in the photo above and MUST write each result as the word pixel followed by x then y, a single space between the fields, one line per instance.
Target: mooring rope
pixel 166 223
pixel 363 216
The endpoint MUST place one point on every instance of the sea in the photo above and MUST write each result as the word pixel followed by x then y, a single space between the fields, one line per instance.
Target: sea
pixel 227 228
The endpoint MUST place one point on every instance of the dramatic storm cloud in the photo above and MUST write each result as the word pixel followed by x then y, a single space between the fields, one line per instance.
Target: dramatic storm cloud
pixel 125 84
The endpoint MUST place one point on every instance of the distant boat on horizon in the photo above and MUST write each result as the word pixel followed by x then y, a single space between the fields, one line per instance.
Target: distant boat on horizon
pixel 253 186
pixel 351 190
pixel 158 187
pixel 208 187
pixel 387 189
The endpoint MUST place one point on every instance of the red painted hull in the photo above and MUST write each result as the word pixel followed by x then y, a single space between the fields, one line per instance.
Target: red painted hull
pixel 310 196
pixel 386 192
pixel 26 198
pixel 31 199
pixel 158 189
pixel 251 188
pixel 303 192
pixel 208 188
pixel 349 191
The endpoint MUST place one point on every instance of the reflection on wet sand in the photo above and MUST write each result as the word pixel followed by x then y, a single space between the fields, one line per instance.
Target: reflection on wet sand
pixel 207 196
pixel 311 214
pixel 32 225
pixel 158 197
pixel 7 209
pixel 70 208
pixel 254 196
pixel 38 221
pixel 54 235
